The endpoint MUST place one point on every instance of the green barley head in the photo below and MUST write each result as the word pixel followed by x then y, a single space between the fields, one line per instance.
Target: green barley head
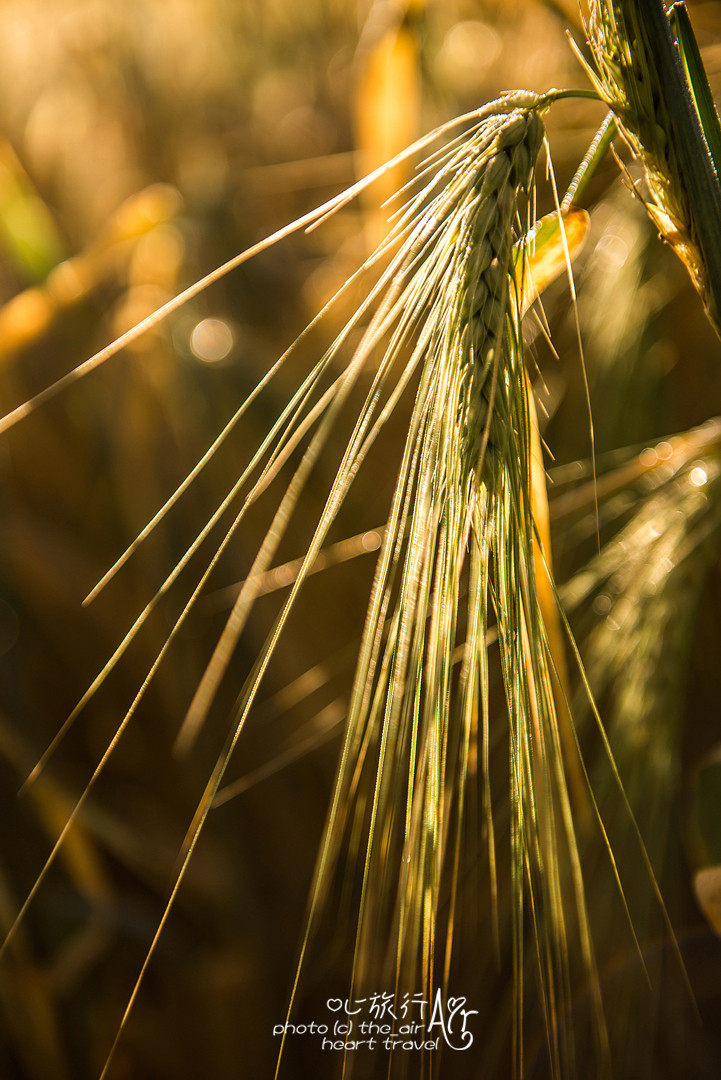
pixel 456 569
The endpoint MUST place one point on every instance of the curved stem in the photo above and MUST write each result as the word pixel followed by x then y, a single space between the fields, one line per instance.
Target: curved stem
pixel 560 94
pixel 594 155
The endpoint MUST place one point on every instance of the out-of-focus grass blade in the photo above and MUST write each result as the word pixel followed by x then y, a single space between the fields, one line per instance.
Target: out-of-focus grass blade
pixel 387 107
pixel 707 887
pixel 27 317
pixel 704 837
pixel 706 812
pixel 698 80
pixel 29 237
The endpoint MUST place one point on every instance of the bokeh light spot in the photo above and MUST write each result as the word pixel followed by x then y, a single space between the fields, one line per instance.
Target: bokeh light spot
pixel 211 340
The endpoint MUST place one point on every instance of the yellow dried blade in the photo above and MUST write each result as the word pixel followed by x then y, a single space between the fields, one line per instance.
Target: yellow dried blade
pixel 544 253
pixel 543 256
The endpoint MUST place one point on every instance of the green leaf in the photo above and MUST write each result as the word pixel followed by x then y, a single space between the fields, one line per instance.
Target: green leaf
pixel 699 172
pixel 698 80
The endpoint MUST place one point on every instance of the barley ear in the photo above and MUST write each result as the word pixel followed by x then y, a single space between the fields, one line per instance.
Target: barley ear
pixel 444 726
pixel 641 75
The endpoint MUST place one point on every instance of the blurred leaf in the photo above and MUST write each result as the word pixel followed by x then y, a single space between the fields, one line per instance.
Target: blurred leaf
pixel 707 886
pixel 387 111
pixel 705 813
pixel 31 314
pixel 28 232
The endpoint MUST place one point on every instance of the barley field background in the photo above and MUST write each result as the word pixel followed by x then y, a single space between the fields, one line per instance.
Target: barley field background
pixel 142 145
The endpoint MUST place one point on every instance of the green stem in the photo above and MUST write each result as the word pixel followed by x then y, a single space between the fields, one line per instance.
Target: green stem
pixel 561 93
pixel 594 155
